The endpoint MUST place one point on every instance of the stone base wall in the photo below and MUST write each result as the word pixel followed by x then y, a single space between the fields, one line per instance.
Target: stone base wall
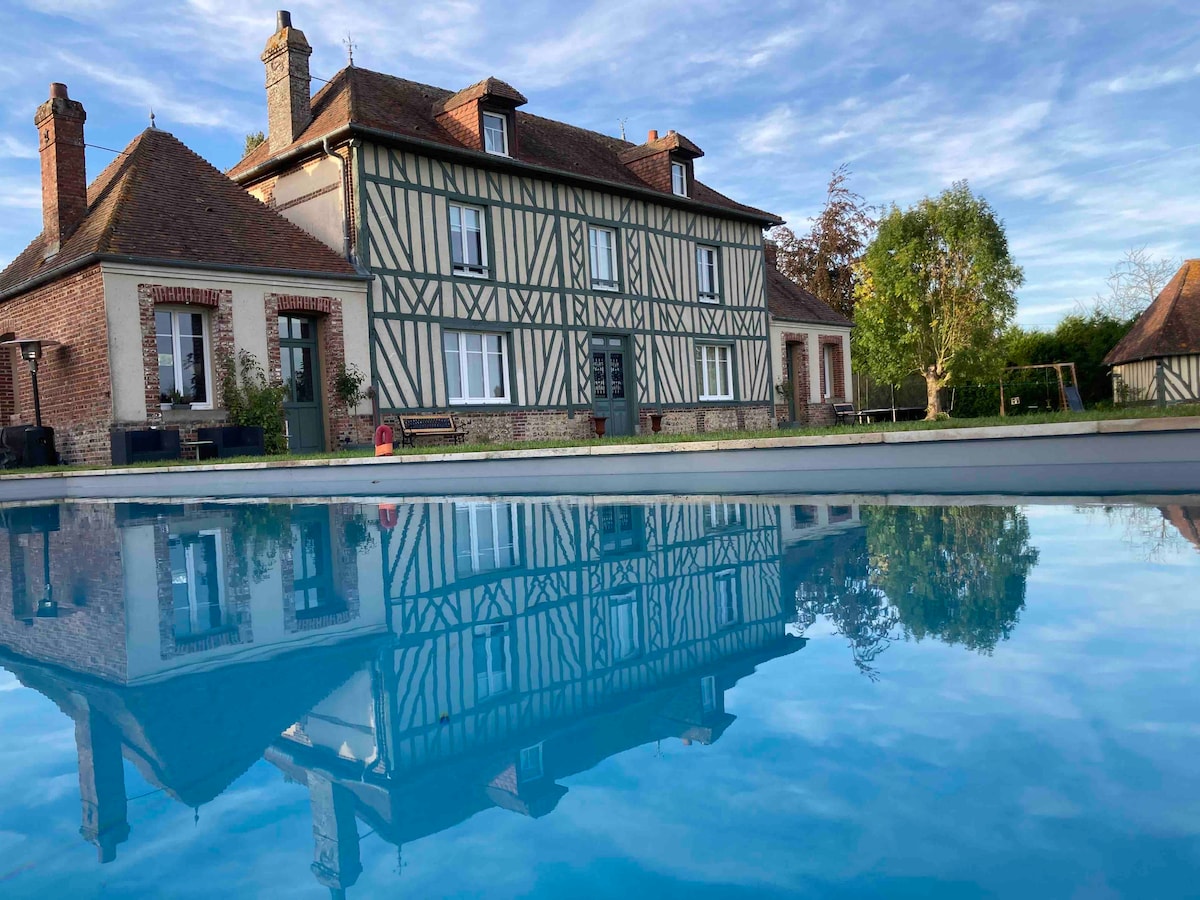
pixel 540 425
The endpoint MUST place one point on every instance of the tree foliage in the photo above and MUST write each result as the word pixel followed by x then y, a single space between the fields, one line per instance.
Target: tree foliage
pixel 251 400
pixel 253 139
pixel 936 294
pixel 823 261
pixel 954 573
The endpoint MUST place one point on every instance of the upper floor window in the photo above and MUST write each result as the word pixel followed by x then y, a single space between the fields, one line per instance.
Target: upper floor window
pixel 714 371
pixel 484 537
pixel 602 243
pixel 679 179
pixel 468 240
pixel 495 134
pixel 707 276
pixel 476 367
pixel 181 336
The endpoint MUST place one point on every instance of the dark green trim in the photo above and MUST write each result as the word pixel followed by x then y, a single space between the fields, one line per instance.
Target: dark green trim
pixel 474 200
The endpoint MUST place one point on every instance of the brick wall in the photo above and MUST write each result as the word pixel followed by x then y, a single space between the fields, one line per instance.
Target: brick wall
pixel 74 379
pixel 655 170
pixel 87 577
pixel 464 125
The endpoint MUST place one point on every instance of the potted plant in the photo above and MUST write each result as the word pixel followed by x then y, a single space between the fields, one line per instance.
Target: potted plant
pixel 348 383
pixel 178 401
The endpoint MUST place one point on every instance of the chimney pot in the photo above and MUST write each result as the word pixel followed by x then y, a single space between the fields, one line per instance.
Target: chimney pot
pixel 58 89
pixel 652 136
pixel 283 19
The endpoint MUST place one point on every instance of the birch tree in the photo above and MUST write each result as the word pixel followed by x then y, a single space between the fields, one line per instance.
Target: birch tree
pixel 936 292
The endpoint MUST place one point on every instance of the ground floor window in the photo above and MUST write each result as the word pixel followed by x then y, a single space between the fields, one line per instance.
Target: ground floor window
pixel 197 597
pixel 714 371
pixel 476 367
pixel 181 338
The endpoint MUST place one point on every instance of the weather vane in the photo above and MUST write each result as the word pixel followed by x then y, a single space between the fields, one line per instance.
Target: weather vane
pixel 348 40
pixel 152 125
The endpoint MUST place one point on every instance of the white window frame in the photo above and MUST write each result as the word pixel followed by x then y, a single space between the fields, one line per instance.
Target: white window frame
pixel 464 398
pixel 177 357
pixel 464 268
pixel 827 369
pixel 494 681
pixel 495 511
pixel 615 636
pixel 708 391
pixel 719 515
pixel 725 593
pixel 530 763
pixel 189 556
pixel 598 283
pixel 679 186
pixel 708 693
pixel 708 258
pixel 503 133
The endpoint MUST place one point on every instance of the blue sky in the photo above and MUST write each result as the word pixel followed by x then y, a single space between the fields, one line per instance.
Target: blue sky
pixel 1078 121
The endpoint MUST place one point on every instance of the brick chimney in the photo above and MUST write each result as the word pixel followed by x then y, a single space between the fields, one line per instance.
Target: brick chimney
pixel 59 123
pixel 771 252
pixel 289 102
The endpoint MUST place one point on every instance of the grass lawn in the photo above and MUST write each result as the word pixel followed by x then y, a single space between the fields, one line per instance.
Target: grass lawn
pixel 662 438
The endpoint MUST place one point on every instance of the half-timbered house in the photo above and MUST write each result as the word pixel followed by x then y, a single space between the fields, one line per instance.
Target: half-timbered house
pixel 529 275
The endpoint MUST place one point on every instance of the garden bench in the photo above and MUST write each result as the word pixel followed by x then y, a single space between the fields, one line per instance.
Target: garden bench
pixel 845 413
pixel 441 426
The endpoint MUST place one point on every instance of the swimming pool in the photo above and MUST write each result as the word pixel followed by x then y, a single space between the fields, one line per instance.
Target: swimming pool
pixel 600 696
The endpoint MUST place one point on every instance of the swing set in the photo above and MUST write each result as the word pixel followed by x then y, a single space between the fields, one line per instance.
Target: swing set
pixel 1068 388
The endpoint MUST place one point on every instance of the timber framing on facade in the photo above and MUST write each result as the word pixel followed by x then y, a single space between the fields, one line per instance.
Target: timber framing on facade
pixel 482 227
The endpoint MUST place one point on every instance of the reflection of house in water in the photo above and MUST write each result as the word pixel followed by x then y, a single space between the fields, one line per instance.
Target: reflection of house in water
pixel 531 642
pixel 162 614
pixel 1185 520
pixel 528 641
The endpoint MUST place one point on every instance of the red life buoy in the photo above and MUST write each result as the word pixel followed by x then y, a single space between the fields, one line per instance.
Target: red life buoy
pixel 388 517
pixel 383 440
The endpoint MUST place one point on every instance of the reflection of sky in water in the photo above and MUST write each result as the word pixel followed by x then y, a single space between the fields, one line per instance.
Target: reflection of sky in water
pixel 1061 764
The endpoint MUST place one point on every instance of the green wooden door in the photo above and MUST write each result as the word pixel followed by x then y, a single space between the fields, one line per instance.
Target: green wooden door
pixel 301 371
pixel 611 390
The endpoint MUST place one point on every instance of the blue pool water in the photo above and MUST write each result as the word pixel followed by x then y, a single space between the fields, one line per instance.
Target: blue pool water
pixel 585 697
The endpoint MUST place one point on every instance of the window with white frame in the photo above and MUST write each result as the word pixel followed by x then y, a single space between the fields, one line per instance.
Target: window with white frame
pixel 714 371
pixel 529 765
pixel 708 283
pixel 624 627
pixel 827 370
pixel 720 516
pixel 725 589
pixel 708 693
pixel 197 593
pixel 468 240
pixel 483 537
pixel 495 134
pixel 476 367
pixel 492 652
pixel 181 336
pixel 602 246
pixel 679 179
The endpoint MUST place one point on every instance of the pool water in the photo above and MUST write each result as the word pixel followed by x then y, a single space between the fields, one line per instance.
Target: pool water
pixel 600 697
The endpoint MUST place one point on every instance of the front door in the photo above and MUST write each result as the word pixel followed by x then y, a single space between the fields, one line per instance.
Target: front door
pixel 298 360
pixel 610 389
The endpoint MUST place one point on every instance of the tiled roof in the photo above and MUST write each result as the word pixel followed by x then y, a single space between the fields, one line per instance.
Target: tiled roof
pixel 360 98
pixel 489 87
pixel 159 201
pixel 788 301
pixel 1171 324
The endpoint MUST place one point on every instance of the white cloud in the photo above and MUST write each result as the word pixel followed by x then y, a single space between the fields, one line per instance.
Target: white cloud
pixel 1148 78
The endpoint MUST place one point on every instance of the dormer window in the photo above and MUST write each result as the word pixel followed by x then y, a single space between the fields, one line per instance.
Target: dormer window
pixel 679 179
pixel 495 134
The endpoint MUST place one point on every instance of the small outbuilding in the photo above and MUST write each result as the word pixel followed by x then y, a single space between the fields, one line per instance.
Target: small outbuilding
pixel 1167 333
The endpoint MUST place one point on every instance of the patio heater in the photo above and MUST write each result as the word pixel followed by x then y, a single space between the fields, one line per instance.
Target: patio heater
pixel 38 445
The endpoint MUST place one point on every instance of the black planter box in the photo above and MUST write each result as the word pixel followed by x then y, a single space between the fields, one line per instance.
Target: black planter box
pixel 234 440
pixel 27 445
pixel 130 445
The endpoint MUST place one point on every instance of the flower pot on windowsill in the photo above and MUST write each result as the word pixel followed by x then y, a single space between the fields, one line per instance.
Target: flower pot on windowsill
pixel 656 420
pixel 600 424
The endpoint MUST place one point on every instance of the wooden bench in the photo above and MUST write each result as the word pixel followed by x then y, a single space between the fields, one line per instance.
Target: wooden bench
pixel 413 427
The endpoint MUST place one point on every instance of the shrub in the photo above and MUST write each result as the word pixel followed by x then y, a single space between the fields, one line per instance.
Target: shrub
pixel 251 400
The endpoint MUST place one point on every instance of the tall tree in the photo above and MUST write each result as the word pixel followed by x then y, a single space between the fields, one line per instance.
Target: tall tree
pixel 1133 283
pixel 937 292
pixel 823 260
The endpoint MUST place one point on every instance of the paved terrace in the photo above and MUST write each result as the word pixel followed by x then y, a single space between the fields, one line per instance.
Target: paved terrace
pixel 1113 457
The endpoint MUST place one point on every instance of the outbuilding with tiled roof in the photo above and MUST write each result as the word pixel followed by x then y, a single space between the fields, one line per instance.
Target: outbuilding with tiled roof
pixel 143 282
pixel 1161 353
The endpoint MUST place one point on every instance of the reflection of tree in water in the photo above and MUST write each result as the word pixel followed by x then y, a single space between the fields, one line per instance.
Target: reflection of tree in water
pixel 837 585
pixel 957 574
pixel 1154 533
